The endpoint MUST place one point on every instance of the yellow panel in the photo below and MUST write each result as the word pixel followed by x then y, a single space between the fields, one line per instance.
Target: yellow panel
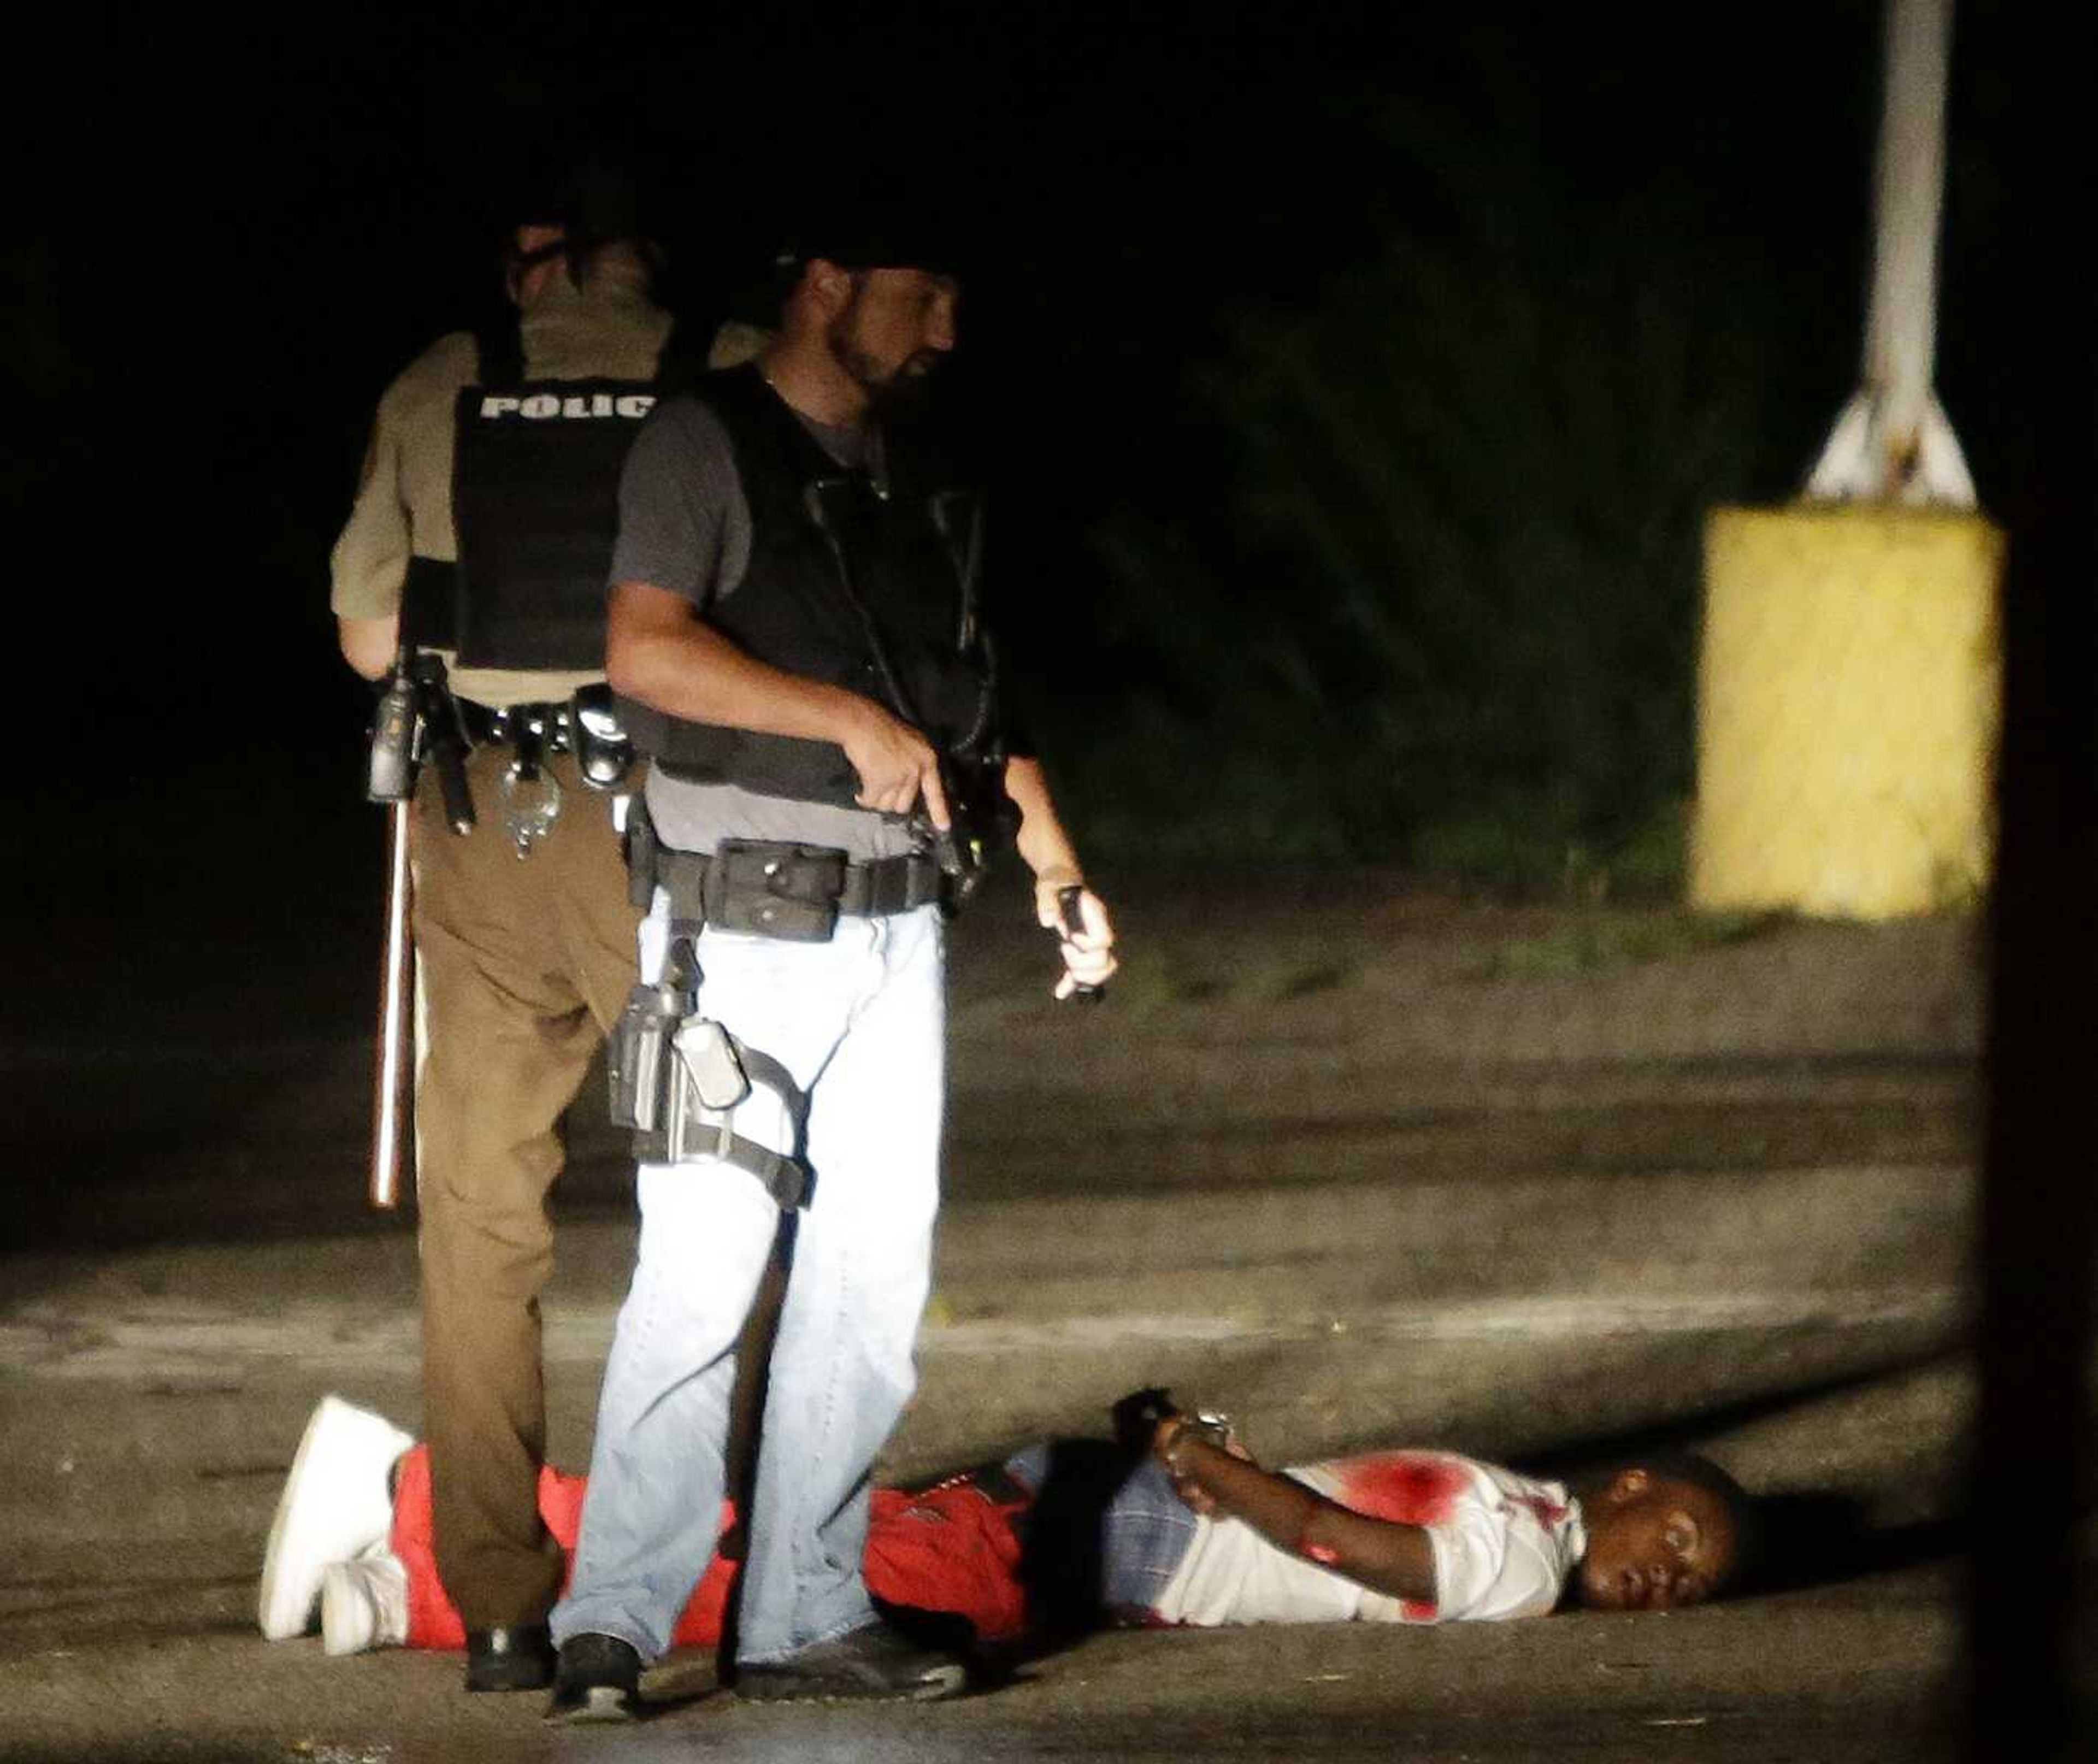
pixel 1848 701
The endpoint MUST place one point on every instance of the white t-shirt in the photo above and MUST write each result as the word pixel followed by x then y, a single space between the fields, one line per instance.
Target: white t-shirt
pixel 1504 1546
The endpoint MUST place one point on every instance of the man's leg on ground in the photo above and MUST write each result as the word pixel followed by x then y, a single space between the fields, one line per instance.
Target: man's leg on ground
pixel 432 1622
pixel 334 1506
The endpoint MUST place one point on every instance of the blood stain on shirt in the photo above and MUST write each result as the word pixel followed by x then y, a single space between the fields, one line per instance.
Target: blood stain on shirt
pixel 1406 1487
pixel 1547 1512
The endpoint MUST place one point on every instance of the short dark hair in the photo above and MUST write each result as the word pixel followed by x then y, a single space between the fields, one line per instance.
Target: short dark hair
pixel 594 199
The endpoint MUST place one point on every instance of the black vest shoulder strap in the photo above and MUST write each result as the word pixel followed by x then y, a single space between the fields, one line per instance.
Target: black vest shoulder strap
pixel 499 341
pixel 851 588
pixel 758 420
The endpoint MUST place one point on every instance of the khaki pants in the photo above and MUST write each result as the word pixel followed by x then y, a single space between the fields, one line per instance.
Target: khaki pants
pixel 525 965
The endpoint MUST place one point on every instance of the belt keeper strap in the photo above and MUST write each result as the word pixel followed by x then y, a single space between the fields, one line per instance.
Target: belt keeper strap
pixel 682 875
pixel 891 885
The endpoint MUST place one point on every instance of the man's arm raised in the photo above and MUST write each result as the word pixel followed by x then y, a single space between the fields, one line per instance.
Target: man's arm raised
pixel 659 651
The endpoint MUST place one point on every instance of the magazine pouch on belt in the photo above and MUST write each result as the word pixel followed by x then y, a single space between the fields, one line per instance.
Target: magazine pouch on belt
pixel 772 889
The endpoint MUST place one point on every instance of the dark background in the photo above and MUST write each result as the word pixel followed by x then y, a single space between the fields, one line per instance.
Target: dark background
pixel 1351 380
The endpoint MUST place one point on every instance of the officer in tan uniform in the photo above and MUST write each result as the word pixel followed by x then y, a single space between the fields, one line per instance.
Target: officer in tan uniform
pixel 523 930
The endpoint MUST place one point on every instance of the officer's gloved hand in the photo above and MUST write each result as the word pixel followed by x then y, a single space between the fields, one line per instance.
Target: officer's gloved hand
pixel 1085 933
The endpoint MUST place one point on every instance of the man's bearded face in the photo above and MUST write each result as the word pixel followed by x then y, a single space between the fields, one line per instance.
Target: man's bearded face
pixel 893 331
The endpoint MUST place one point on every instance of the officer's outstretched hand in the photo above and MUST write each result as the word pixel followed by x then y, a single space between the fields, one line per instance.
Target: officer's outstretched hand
pixel 897 766
pixel 1085 933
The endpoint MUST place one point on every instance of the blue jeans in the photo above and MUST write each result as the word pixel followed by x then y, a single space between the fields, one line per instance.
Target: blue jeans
pixel 860 1023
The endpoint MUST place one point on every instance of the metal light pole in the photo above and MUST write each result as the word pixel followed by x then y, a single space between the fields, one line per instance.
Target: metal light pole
pixel 1892 443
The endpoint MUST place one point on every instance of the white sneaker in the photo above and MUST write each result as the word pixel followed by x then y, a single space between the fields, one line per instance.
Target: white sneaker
pixel 364 1603
pixel 335 1505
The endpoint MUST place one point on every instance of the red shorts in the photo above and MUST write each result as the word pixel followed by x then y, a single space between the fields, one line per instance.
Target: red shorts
pixel 952 1548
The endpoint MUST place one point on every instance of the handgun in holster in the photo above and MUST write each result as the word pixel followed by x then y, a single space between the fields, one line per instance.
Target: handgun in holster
pixel 674 1075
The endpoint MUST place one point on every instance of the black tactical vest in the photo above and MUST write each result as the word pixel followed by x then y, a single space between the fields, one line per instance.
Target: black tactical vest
pixel 535 506
pixel 846 584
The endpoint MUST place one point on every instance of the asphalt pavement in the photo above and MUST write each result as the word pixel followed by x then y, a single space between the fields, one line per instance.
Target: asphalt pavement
pixel 1360 1164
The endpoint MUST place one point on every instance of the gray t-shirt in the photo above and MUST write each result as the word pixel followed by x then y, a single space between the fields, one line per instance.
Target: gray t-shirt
pixel 684 525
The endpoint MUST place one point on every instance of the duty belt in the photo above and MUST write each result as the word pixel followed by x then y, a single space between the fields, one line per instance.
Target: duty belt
pixel 550 726
pixel 585 726
pixel 793 892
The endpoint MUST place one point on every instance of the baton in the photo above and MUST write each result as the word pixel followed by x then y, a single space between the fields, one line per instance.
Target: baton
pixel 393 1084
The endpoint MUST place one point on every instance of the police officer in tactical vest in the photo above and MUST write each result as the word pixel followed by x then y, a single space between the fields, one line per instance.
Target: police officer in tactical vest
pixel 794 613
pixel 480 533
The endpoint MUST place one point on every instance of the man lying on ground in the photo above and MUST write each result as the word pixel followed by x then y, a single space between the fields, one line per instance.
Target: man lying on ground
pixel 1191 1532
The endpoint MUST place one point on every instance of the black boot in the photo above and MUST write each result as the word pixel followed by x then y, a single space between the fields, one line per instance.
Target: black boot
pixel 518 1658
pixel 874 1661
pixel 598 1679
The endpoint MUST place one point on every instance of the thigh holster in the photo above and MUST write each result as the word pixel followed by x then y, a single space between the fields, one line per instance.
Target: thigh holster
pixel 676 1078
